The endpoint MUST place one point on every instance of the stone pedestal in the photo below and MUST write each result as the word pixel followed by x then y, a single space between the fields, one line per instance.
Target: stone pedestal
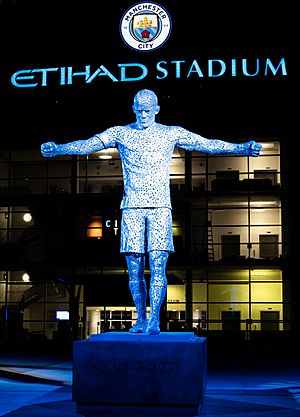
pixel 120 374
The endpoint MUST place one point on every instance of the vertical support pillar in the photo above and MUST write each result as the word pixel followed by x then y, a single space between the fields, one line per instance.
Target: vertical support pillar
pixel 188 244
pixel 189 299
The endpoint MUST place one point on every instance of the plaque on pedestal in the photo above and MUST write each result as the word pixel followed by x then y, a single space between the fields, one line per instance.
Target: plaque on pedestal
pixel 120 374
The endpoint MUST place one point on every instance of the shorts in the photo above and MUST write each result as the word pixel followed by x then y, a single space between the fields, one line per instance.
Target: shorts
pixel 146 229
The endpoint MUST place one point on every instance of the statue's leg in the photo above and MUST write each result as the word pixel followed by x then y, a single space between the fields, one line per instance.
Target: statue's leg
pixel 137 285
pixel 158 287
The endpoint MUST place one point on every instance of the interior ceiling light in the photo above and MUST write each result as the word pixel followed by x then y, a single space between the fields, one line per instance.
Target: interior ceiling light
pixel 27 217
pixel 104 155
pixel 25 277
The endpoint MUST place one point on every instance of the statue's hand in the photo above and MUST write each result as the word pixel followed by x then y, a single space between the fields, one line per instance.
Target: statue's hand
pixel 252 148
pixel 49 149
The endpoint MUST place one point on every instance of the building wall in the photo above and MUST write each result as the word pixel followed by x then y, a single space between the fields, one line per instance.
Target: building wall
pixel 60 222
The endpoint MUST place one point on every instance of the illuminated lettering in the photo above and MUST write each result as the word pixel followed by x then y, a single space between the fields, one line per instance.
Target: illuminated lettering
pixel 163 70
pixel 134 71
pixel 45 72
pixel 195 68
pixel 233 67
pixel 19 76
pixel 177 66
pixel 99 72
pixel 62 75
pixel 115 228
pixel 71 74
pixel 273 69
pixel 123 71
pixel 245 71
pixel 211 62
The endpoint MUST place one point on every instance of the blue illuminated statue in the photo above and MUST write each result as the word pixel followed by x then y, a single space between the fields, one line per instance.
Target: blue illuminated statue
pixel 146 149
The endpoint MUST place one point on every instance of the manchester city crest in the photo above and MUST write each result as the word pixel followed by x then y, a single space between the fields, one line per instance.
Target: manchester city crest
pixel 145 26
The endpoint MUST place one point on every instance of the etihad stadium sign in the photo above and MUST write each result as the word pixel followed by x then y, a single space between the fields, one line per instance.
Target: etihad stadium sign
pixel 137 71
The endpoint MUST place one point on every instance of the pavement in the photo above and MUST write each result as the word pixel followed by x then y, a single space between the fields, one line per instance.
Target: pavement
pixel 37 385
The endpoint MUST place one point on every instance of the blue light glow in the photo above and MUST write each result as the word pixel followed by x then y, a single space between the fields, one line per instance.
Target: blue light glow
pixel 136 71
pixel 146 150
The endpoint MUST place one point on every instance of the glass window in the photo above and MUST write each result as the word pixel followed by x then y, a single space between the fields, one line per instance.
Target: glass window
pixel 3 169
pixel 230 293
pixel 238 233
pixel 60 166
pixel 3 187
pixel 223 316
pixel 30 169
pixel 228 274
pixel 265 170
pixel 266 292
pixel 199 292
pixel 261 274
pixel 26 155
pixel 267 316
pixel 225 173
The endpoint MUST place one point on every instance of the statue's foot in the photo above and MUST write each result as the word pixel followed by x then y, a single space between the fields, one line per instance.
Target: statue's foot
pixel 153 326
pixel 139 327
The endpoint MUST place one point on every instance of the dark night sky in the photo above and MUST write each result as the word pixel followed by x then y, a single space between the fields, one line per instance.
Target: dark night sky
pixel 48 35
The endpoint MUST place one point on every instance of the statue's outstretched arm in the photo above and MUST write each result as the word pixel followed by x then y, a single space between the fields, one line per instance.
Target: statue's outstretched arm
pixel 217 146
pixel 78 147
pixel 194 142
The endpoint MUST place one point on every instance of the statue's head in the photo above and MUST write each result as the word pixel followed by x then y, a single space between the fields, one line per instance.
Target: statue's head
pixel 146 97
pixel 145 108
